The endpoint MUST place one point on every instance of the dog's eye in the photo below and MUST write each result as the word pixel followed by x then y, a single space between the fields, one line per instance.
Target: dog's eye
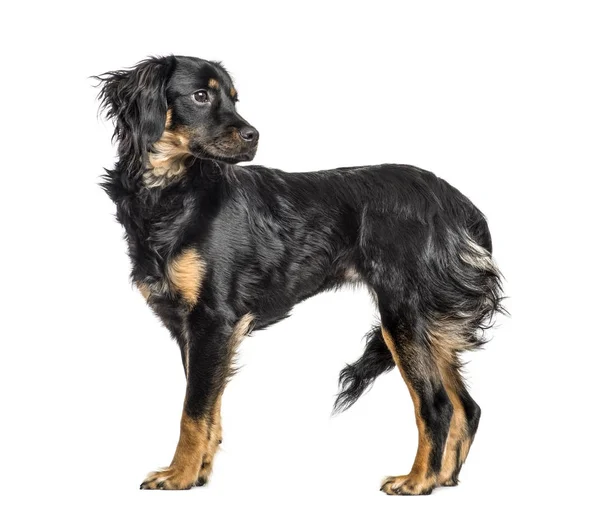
pixel 201 96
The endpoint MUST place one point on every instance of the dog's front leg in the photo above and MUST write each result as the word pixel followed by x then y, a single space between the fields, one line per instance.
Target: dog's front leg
pixel 208 351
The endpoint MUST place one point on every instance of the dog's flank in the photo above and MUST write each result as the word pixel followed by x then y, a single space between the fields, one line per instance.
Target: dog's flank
pixel 218 250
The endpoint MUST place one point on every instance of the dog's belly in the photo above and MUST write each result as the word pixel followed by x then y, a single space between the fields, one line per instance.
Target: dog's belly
pixel 275 302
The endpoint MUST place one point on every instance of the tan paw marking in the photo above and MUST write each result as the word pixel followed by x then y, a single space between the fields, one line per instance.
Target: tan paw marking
pixel 407 485
pixel 204 473
pixel 171 478
pixel 451 482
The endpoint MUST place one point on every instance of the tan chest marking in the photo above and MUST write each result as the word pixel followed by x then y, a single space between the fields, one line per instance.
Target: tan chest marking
pixel 186 273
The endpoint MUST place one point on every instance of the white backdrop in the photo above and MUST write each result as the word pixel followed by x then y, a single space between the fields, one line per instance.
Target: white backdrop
pixel 501 100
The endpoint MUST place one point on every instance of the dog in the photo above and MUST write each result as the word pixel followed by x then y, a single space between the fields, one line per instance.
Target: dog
pixel 219 250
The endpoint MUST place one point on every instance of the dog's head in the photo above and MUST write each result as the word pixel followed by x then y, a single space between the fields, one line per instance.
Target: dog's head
pixel 167 109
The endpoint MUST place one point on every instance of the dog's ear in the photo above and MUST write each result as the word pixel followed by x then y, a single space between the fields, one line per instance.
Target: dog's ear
pixel 136 99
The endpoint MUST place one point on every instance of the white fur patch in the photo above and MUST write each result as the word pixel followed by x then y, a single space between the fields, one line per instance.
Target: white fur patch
pixel 477 256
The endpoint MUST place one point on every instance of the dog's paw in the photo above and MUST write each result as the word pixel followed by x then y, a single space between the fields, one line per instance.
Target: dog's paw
pixel 171 478
pixel 408 485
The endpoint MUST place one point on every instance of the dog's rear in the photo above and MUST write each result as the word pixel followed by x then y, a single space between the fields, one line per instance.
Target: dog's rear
pixel 437 302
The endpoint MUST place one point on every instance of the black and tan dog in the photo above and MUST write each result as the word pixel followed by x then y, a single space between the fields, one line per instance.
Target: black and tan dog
pixel 218 250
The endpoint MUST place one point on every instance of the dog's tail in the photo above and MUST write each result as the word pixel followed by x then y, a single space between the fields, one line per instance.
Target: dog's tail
pixel 356 378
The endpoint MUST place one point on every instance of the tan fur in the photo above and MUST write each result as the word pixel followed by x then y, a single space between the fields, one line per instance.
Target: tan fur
pixel 232 92
pixel 144 290
pixel 458 434
pixel 418 480
pixel 240 329
pixel 183 471
pixel 214 441
pixel 464 448
pixel 185 273
pixel 213 84
pixel 448 338
pixel 169 156
pixel 199 439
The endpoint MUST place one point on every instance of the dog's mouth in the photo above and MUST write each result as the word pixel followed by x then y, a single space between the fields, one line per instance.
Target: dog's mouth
pixel 222 152
pixel 231 159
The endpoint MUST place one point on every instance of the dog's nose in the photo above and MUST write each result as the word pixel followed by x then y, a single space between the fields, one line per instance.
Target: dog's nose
pixel 248 134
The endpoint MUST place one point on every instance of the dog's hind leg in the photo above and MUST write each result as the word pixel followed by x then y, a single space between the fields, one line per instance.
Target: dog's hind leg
pixel 463 427
pixel 433 407
pixel 446 343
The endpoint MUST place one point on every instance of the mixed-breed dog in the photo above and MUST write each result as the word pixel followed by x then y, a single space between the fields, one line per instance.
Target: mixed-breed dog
pixel 219 250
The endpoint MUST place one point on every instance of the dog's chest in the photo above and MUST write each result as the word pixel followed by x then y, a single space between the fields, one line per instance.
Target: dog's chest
pixel 180 282
pixel 166 264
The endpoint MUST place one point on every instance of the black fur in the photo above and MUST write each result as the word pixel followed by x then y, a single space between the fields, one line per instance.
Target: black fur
pixel 136 99
pixel 269 239
pixel 356 378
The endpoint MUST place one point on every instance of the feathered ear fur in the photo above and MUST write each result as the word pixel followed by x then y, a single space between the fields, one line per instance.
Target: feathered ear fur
pixel 136 100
